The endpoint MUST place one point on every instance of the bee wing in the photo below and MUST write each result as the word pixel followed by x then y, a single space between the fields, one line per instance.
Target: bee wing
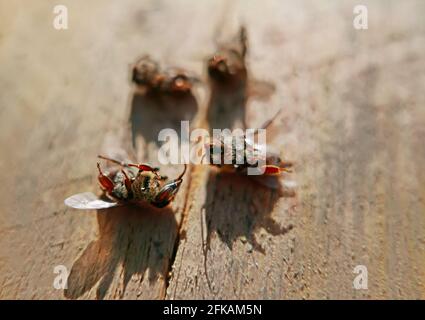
pixel 88 200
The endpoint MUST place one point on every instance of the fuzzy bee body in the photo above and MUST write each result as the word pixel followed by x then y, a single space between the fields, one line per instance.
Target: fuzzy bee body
pixel 120 191
pixel 145 187
pixel 240 155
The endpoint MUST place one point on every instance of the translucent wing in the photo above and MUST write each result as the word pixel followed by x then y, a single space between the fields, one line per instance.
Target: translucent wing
pixel 88 200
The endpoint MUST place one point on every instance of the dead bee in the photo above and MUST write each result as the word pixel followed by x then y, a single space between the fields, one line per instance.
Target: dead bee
pixel 252 155
pixel 146 74
pixel 141 183
pixel 218 151
pixel 228 63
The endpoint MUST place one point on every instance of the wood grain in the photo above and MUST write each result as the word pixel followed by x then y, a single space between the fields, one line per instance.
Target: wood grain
pixel 353 121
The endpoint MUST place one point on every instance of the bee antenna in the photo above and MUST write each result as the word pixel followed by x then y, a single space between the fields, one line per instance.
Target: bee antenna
pixel 269 122
pixel 112 160
pixel 203 157
pixel 182 174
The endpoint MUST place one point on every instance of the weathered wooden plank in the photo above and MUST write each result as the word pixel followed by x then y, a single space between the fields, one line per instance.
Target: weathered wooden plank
pixel 352 123
pixel 74 99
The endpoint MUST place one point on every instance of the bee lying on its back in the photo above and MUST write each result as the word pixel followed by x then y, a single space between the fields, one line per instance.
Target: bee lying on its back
pixel 243 154
pixel 143 185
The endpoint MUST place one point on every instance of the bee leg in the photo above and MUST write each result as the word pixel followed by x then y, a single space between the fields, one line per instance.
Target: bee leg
pixel 121 163
pixel 145 167
pixel 271 170
pixel 127 181
pixel 105 182
pixel 167 193
pixel 142 166
pixel 286 166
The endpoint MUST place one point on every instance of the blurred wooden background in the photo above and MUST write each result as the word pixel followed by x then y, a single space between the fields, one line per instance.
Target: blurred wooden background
pixel 353 120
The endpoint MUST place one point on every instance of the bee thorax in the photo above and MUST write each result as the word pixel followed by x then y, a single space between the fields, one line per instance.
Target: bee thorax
pixel 145 187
